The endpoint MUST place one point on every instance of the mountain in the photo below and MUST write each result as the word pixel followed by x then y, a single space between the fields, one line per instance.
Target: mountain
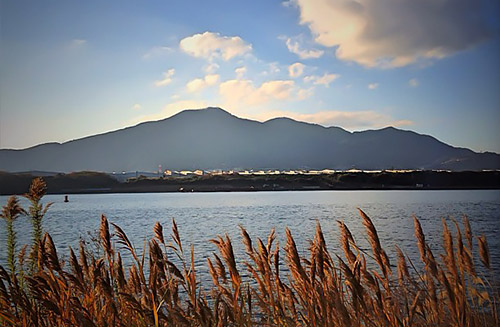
pixel 212 138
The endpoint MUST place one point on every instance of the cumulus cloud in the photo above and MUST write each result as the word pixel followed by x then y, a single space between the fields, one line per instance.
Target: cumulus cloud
pixel 212 45
pixel 394 33
pixel 352 120
pixel 240 72
pixel 238 92
pixel 413 82
pixel 296 69
pixel 325 80
pixel 294 47
pixel 199 84
pixel 167 78
pixel 372 86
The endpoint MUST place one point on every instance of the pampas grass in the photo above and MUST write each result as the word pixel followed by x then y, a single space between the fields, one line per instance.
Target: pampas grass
pixel 10 212
pixel 317 290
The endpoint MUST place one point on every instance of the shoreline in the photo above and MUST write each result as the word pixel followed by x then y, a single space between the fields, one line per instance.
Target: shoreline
pixel 102 183
pixel 215 190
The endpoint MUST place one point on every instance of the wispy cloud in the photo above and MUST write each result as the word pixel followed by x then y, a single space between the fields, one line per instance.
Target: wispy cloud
pixel 211 68
pixel 295 47
pixel 157 52
pixel 413 82
pixel 240 72
pixel 77 43
pixel 303 94
pixel 325 80
pixel 237 92
pixel 372 86
pixel 167 78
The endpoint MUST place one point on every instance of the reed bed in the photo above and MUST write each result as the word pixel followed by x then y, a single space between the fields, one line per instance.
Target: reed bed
pixel 354 287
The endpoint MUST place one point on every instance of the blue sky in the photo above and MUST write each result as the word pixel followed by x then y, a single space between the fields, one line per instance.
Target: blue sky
pixel 70 69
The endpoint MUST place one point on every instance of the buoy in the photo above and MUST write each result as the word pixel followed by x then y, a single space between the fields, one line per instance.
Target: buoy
pixel 66 198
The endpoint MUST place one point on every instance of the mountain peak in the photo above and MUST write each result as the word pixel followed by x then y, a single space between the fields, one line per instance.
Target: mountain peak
pixel 203 111
pixel 212 138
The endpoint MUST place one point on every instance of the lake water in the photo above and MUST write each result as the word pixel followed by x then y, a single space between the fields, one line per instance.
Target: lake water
pixel 203 216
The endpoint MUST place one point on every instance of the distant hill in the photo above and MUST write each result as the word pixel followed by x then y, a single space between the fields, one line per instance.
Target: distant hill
pixel 212 138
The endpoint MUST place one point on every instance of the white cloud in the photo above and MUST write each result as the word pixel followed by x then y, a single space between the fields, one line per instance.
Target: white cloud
pixel 294 47
pixel 175 97
pixel 211 68
pixel 296 69
pixel 353 120
pixel 240 72
pixel 413 82
pixel 199 84
pixel 394 33
pixel 212 45
pixel 325 80
pixel 277 89
pixel 156 52
pixel 372 86
pixel 167 78
pixel 137 106
pixel 169 110
pixel 238 93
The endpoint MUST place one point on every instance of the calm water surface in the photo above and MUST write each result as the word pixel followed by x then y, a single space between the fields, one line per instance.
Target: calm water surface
pixel 203 216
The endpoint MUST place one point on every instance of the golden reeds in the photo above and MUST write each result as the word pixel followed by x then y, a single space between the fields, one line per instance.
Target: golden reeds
pixel 320 289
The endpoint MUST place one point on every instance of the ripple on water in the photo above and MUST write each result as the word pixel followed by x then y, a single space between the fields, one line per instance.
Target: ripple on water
pixel 203 216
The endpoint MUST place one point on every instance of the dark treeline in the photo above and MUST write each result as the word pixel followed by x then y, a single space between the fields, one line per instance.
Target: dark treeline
pixel 95 182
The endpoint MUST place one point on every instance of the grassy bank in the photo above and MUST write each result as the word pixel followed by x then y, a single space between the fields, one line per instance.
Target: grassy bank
pixel 161 287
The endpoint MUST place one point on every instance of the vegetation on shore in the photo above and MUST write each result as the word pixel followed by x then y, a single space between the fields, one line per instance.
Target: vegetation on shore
pixel 160 287
pixel 95 182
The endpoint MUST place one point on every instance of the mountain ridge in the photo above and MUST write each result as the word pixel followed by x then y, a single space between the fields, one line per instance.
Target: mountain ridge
pixel 213 138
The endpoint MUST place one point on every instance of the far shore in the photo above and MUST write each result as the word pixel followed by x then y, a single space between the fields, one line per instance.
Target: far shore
pixel 96 182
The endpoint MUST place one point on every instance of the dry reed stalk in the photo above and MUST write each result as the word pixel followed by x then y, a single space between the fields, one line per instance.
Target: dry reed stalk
pixel 10 212
pixel 484 251
pixel 449 257
pixel 419 234
pixel 467 231
pixel 346 239
pixel 403 273
pixel 158 231
pixel 380 256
